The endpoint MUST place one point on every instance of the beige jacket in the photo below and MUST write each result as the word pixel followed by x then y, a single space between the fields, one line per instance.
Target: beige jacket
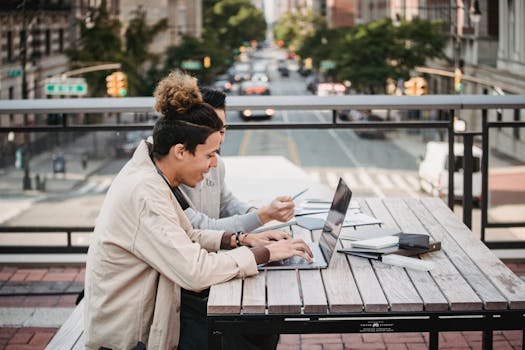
pixel 142 252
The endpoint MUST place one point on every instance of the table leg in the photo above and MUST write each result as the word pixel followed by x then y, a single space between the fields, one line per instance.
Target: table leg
pixel 487 340
pixel 433 342
pixel 215 340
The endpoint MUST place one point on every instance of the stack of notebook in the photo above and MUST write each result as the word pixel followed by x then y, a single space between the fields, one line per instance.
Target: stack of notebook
pixel 407 244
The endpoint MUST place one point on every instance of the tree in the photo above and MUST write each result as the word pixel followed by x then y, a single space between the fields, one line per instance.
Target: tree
pixel 140 64
pixel 99 42
pixel 371 54
pixel 234 22
pixel 295 27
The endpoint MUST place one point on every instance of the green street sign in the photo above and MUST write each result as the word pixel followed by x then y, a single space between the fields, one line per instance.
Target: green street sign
pixel 191 64
pixel 12 73
pixel 70 87
pixel 327 64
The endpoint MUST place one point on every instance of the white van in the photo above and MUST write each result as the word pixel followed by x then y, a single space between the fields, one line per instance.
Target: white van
pixel 433 170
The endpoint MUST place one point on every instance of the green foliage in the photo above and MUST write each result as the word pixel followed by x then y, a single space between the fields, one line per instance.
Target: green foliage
pixel 100 42
pixel 234 21
pixel 294 27
pixel 370 54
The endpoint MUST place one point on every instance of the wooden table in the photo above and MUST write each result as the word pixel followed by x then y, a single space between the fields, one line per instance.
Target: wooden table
pixel 468 289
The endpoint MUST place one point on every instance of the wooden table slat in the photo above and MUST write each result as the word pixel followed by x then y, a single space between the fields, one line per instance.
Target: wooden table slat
pixel 283 292
pixel 506 281
pixel 453 285
pixel 314 297
pixel 399 290
pixel 430 293
pixel 225 298
pixel 341 288
pixel 254 294
pixel 492 299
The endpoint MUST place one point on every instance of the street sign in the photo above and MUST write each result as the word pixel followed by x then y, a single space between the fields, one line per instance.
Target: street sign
pixel 191 64
pixel 12 73
pixel 327 64
pixel 68 86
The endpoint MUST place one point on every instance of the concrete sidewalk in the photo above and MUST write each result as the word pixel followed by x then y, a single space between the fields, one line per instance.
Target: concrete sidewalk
pixel 34 302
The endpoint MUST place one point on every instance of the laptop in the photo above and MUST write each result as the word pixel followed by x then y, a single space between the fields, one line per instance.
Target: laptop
pixel 322 250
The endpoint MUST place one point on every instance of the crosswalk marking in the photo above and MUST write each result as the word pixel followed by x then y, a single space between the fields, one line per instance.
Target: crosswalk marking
pixel 384 181
pixel 332 179
pixel 377 182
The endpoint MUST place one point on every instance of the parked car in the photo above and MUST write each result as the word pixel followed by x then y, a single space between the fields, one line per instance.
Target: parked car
pixel 223 85
pixel 328 89
pixel 311 83
pixel 433 170
pixel 371 133
pixel 282 67
pixel 255 88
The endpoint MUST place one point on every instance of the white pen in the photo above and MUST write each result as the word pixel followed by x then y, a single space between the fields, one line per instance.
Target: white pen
pixel 300 193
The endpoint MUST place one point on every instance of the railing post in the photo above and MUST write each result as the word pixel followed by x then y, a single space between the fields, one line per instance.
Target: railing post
pixel 484 172
pixel 468 140
pixel 451 137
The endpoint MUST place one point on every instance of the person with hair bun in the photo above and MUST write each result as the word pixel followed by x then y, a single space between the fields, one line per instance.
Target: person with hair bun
pixel 213 205
pixel 144 255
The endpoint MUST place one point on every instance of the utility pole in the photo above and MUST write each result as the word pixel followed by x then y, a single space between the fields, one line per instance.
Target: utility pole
pixel 26 184
pixel 460 18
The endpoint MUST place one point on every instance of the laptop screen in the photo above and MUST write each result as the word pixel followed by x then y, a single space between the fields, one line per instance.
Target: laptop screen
pixel 334 220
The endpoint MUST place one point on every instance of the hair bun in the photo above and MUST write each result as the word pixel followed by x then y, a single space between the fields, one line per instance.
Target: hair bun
pixel 176 93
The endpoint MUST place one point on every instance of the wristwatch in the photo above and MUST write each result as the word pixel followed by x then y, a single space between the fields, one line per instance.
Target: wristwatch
pixel 237 238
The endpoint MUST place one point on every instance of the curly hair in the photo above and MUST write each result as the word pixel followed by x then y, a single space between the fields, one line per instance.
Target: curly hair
pixel 176 93
pixel 185 118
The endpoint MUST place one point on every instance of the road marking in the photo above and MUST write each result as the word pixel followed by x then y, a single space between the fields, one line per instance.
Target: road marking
pixel 398 180
pixel 103 186
pixel 332 179
pixel 350 180
pixel 243 148
pixel 292 146
pixel 361 170
pixel 413 181
pixel 87 187
pixel 384 181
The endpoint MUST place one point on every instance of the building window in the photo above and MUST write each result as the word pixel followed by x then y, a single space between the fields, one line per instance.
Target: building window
pixel 22 45
pixel 9 46
pixel 48 42
pixel 11 96
pixel 61 40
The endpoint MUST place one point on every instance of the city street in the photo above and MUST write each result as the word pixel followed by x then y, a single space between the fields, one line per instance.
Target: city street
pixel 372 167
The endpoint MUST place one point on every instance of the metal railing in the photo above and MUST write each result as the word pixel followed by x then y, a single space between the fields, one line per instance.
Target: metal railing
pixel 449 104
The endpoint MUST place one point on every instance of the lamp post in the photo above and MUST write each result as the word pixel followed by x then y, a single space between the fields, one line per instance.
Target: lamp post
pixel 475 17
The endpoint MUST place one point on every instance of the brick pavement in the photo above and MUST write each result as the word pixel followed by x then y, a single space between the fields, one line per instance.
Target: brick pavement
pixel 39 280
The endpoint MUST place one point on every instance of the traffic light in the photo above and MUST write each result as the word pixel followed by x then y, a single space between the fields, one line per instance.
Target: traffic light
pixel 117 84
pixel 122 84
pixel 111 85
pixel 206 62
pixel 458 85
pixel 421 86
pixel 416 86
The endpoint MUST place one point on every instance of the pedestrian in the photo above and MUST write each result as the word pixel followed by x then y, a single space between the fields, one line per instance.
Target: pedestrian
pixel 84 161
pixel 144 254
pixel 213 205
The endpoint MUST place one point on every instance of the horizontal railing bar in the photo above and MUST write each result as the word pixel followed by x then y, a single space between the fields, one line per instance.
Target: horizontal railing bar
pixel 505 224
pixel 505 244
pixel 43 249
pixel 45 229
pixel 295 102
pixel 508 124
pixel 237 126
